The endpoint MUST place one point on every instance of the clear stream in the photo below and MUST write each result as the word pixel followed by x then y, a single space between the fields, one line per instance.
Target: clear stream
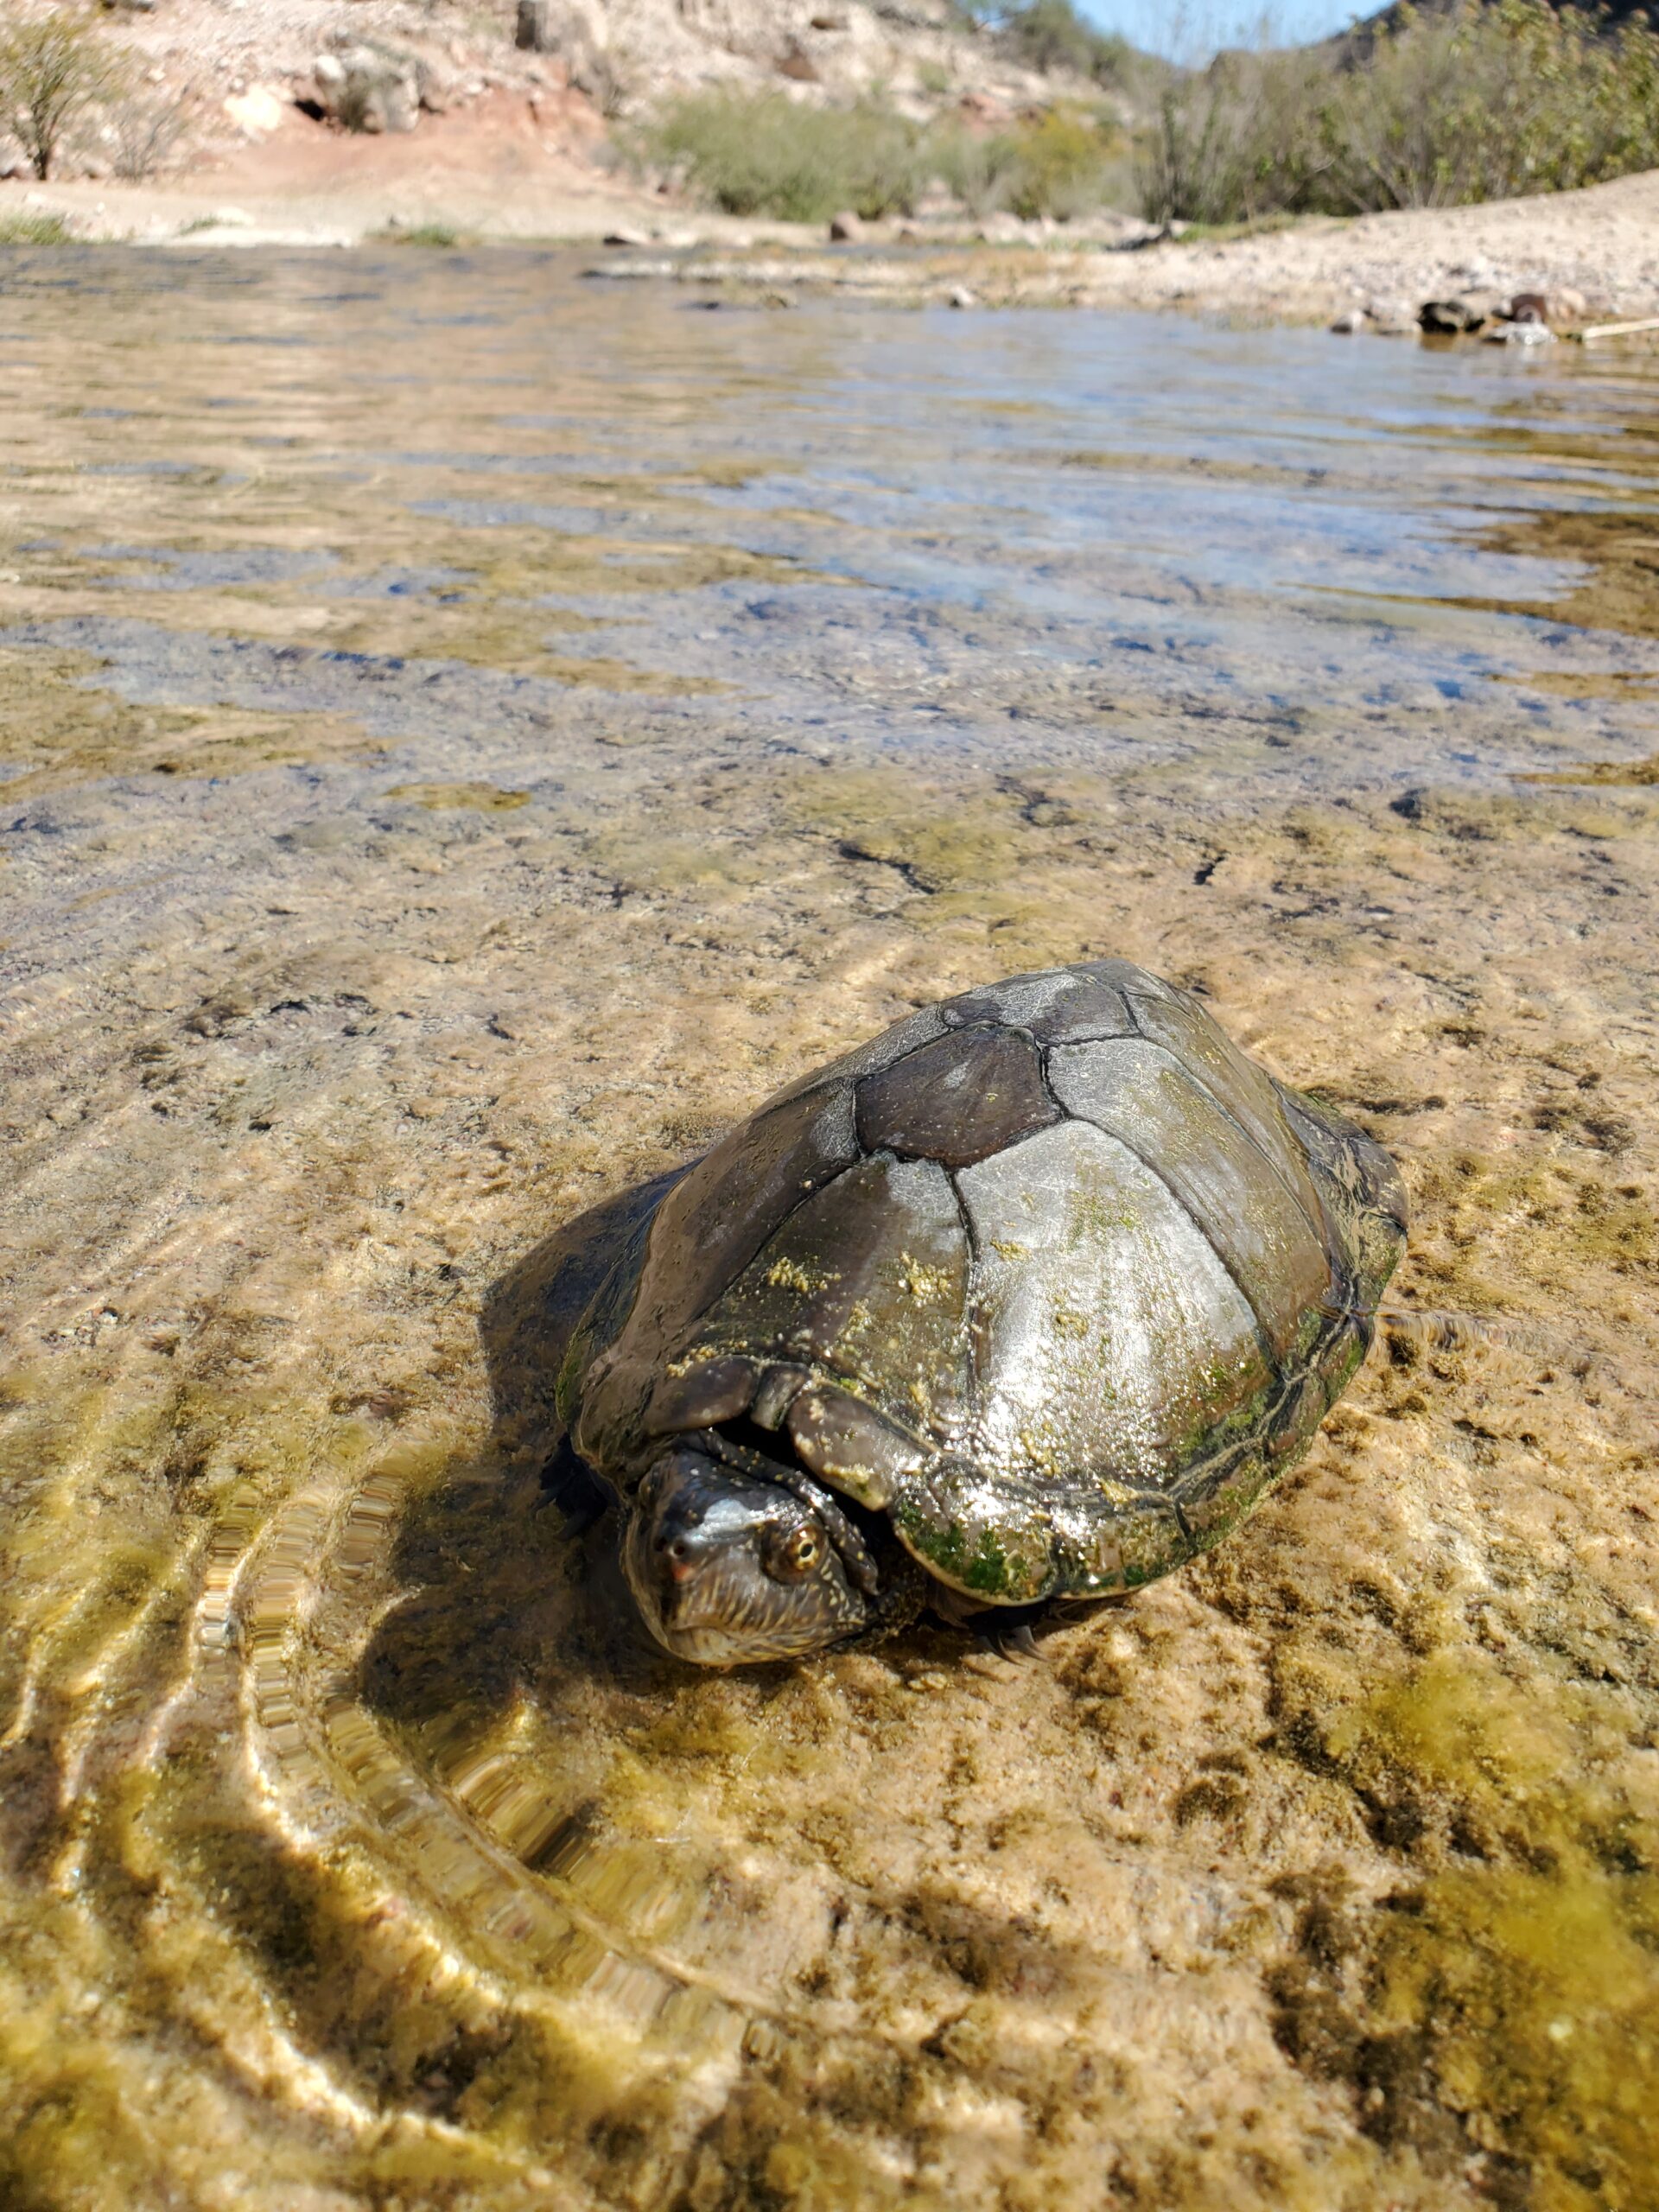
pixel 467 732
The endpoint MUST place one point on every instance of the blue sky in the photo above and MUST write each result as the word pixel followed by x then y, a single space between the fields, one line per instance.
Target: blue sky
pixel 1165 27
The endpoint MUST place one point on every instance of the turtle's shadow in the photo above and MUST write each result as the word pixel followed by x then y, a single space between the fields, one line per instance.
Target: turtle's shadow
pixel 508 1562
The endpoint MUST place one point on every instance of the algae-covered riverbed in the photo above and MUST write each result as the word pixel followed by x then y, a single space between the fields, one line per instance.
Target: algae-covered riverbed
pixel 464 738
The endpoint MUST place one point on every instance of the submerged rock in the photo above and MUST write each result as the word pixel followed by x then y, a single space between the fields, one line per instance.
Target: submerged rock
pixel 1562 306
pixel 1463 317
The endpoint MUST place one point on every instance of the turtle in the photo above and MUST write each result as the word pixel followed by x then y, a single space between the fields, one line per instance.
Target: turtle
pixel 1022 1305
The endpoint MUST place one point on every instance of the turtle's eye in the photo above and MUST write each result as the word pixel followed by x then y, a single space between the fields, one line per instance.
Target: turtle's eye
pixel 790 1554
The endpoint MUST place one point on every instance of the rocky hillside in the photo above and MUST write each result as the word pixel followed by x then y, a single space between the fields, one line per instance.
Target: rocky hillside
pixel 205 82
pixel 922 51
pixel 622 55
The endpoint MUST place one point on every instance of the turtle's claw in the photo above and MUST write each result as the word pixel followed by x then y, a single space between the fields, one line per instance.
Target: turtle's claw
pixel 567 1484
pixel 1016 1645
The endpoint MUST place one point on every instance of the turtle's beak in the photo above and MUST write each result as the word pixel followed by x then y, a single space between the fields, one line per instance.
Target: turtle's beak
pixel 692 1532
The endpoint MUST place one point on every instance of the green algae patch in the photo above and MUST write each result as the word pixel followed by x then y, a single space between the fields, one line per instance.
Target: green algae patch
pixel 1538 1995
pixel 977 1558
pixel 1630 773
pixel 58 729
pixel 644 857
pixel 1620 546
pixel 1515 1983
pixel 968 861
pixel 1545 1209
pixel 933 841
pixel 493 600
pixel 483 799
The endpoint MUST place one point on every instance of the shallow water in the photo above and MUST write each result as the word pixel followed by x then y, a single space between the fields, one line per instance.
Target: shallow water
pixel 467 735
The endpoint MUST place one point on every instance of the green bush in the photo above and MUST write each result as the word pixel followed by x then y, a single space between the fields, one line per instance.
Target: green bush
pixel 1486 104
pixel 52 68
pixel 438 236
pixel 1056 164
pixel 974 166
pixel 768 155
pixel 1235 143
pixel 1477 102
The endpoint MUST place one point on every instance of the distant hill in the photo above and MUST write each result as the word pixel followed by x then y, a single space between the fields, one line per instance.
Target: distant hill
pixel 925 53
pixel 1616 13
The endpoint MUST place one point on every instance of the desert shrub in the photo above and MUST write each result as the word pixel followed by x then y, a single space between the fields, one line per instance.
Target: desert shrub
pixel 1237 141
pixel 974 166
pixel 142 133
pixel 1469 104
pixel 1055 164
pixel 1485 104
pixel 52 68
pixel 768 155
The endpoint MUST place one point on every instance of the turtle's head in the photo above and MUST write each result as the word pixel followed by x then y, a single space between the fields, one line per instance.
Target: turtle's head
pixel 728 1570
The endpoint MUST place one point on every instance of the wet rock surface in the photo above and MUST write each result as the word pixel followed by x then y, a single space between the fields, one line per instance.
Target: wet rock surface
pixel 466 742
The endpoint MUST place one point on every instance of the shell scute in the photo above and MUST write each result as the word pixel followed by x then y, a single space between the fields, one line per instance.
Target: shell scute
pixel 1248 1093
pixel 1219 1497
pixel 1138 1093
pixel 706 1231
pixel 868 1280
pixel 848 1443
pixel 1365 1199
pixel 711 1225
pixel 1107 1329
pixel 1061 1006
pixel 956 1100
pixel 900 1037
pixel 698 1397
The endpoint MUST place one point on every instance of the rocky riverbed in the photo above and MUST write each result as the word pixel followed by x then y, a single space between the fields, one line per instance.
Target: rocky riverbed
pixel 469 734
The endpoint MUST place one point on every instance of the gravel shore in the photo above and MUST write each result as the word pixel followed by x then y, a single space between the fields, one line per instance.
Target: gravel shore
pixel 491 174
